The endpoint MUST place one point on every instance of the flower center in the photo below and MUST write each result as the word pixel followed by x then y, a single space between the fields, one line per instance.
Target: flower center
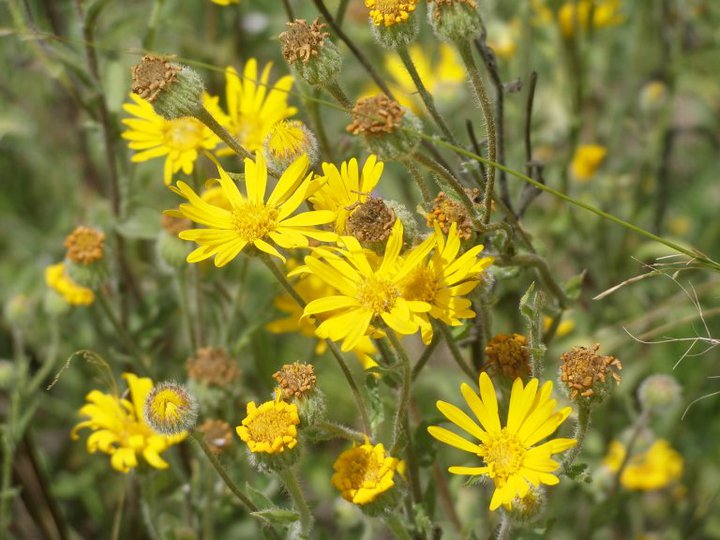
pixel 270 424
pixel 377 294
pixel 504 455
pixel 421 284
pixel 363 470
pixel 254 221
pixel 183 134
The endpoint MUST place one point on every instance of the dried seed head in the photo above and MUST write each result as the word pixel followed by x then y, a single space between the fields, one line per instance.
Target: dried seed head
pixel 446 211
pixel 508 355
pixel 174 90
pixel 376 115
pixel 85 245
pixel 296 380
pixel 371 221
pixel 218 435
pixel 212 366
pixel 455 20
pixel 587 375
pixel 302 41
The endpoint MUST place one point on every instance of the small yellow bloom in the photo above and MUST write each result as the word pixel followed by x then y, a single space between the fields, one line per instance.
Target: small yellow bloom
pixel 254 105
pixel 170 409
pixel 57 279
pixel 656 468
pixel 270 428
pixel 502 38
pixel 119 428
pixel 365 472
pixel 225 2
pixel 180 140
pixel 587 160
pixel 288 140
pixel 253 219
pixel 563 329
pixel 389 12
pixel 578 12
pixel 85 245
pixel 512 459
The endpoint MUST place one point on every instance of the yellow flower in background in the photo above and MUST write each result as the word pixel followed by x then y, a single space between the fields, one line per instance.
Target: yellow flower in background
pixel 444 280
pixel 512 459
pixel 253 219
pixel 346 187
pixel 179 141
pixel 502 38
pixel 657 467
pixel 604 13
pixel 311 287
pixel 389 12
pixel 253 105
pixel 367 293
pixel 365 472
pixel 442 79
pixel 587 160
pixel 119 429
pixel 224 2
pixel 563 329
pixel 270 428
pixel 57 279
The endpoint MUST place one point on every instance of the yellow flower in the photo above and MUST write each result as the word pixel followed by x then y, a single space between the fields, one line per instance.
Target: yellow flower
pixel 253 105
pixel 288 140
pixel 169 408
pixel 389 12
pixel 444 280
pixel 310 287
pixel 224 2
pixel 179 140
pixel 604 13
pixel 57 279
pixel 366 293
pixel 655 468
pixel 346 188
pixel 503 38
pixel 120 430
pixel 270 428
pixel 563 329
pixel 511 458
pixel 442 80
pixel 587 160
pixel 365 472
pixel 253 219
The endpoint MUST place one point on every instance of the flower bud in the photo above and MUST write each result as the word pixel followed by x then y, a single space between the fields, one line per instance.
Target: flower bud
pixel 446 211
pixel 170 409
pixel 660 392
pixel 174 90
pixel 288 140
pixel 455 20
pixel 530 508
pixel 8 375
pixel 508 355
pixel 297 384
pixel 19 311
pixel 309 53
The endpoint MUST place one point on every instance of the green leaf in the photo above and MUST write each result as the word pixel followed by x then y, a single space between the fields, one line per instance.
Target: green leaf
pixel 144 224
pixel 577 471
pixel 277 516
pixel 258 497
pixel 573 286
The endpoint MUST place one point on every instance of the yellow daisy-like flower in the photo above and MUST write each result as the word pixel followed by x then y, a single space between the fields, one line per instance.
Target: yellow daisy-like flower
pixel 119 428
pixel 389 12
pixel 270 428
pixel 253 105
pixel 512 459
pixel 225 2
pixel 252 219
pixel 444 280
pixel 365 472
pixel 180 140
pixel 346 188
pixel 604 13
pixel 366 293
pixel 587 160
pixel 657 467
pixel 311 287
pixel 57 279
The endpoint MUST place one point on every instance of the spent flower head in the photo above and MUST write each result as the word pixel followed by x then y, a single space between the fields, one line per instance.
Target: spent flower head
pixel 588 376
pixel 213 366
pixel 309 52
pixel 85 245
pixel 218 435
pixel 173 90
pixel 446 210
pixel 508 354
pixel 296 380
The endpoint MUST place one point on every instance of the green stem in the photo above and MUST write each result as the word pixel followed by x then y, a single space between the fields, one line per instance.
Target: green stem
pixel 401 415
pixel 465 50
pixel 184 304
pixel 340 431
pixel 419 180
pixel 341 10
pixel 424 94
pixel 455 350
pixel 333 88
pixel 396 525
pixel 331 344
pixel 289 10
pixel 505 527
pixel 425 356
pixel 206 118
pixel 581 428
pixel 289 479
pixel 541 265
pixel 127 341
pixel 149 38
pixel 640 424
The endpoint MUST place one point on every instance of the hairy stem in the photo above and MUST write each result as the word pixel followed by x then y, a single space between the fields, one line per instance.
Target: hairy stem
pixel 289 479
pixel 455 350
pixel 581 428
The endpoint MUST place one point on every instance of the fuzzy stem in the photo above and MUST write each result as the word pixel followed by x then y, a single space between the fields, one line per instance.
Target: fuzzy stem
pixel 505 527
pixel 425 356
pixel 340 431
pixel 401 415
pixel 206 118
pixel 331 344
pixel 581 428
pixel 333 88
pixel 289 479
pixel 419 180
pixel 395 524
pixel 125 338
pixel 455 350
pixel 289 10
pixel 466 53
pixel 424 94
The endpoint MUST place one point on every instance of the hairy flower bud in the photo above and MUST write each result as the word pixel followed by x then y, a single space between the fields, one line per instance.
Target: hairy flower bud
pixel 174 90
pixel 455 20
pixel 659 392
pixel 170 409
pixel 288 140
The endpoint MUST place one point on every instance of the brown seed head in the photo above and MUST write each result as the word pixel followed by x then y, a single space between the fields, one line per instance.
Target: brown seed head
pixel 152 75
pixel 584 371
pixel 376 115
pixel 371 221
pixel 508 354
pixel 218 435
pixel 85 245
pixel 301 41
pixel 446 211
pixel 296 380
pixel 175 225
pixel 212 366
